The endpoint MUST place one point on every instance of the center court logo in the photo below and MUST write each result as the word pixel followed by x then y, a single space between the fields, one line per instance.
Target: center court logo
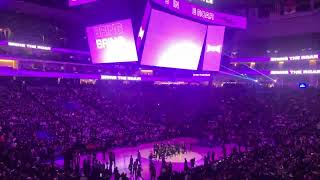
pixel 216 49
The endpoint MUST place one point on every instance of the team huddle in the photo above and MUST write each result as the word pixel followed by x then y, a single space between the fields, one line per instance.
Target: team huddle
pixel 162 150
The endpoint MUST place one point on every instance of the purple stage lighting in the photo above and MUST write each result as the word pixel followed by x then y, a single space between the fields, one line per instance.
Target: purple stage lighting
pixel 112 42
pixel 79 2
pixel 173 42
pixel 213 50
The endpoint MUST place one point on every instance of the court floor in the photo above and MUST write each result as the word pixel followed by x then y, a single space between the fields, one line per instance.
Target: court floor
pixel 123 155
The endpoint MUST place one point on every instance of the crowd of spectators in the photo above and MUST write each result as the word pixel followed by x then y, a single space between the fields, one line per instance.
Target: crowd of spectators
pixel 285 7
pixel 42 122
pixel 280 125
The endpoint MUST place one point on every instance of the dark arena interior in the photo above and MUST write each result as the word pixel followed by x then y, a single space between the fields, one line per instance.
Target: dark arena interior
pixel 159 89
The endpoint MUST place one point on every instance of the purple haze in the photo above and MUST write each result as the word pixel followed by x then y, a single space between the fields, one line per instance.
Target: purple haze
pixel 79 2
pixel 197 12
pixel 173 42
pixel 112 42
pixel 213 50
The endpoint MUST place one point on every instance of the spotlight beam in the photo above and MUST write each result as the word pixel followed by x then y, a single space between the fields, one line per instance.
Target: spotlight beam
pixel 231 70
pixel 260 73
pixel 241 77
pixel 239 73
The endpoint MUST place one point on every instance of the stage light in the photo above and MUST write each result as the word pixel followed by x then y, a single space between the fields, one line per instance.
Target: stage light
pixel 256 80
pixel 234 53
pixel 312 62
pixel 8 63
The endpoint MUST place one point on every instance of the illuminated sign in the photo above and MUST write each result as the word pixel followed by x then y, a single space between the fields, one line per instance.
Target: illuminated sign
pixel 16 44
pixel 146 72
pixel 30 46
pixel 311 71
pixel 186 8
pixel 170 83
pixel 295 58
pixel 121 78
pixel 279 72
pixel 308 57
pixel 201 75
pixel 202 14
pixel 283 58
pixel 279 59
pixel 296 72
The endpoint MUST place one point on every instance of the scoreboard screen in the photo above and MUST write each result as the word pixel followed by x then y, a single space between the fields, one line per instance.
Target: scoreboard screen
pixel 112 42
pixel 173 42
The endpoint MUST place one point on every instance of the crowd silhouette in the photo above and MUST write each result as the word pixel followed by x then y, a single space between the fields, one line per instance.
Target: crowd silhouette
pixel 279 129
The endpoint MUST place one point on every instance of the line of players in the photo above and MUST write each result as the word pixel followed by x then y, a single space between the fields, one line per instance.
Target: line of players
pixel 135 167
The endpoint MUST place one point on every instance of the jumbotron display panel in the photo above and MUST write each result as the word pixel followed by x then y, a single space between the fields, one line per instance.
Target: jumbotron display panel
pixel 112 42
pixel 173 42
pixel 213 49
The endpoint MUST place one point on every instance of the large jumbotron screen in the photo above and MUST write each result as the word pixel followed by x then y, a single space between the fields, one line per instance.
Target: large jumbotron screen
pixel 213 50
pixel 173 42
pixel 112 42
